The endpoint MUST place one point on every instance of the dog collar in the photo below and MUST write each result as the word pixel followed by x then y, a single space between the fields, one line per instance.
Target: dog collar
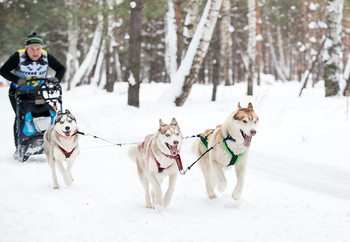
pixel 74 134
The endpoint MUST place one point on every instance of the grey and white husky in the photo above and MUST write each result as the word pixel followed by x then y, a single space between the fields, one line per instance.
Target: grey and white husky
pixel 61 142
pixel 157 157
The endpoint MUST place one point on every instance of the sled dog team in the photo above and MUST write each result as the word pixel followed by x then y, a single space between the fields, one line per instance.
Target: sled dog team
pixel 158 156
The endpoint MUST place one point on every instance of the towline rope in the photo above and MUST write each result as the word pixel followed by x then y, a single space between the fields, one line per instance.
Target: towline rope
pixel 182 172
pixel 115 144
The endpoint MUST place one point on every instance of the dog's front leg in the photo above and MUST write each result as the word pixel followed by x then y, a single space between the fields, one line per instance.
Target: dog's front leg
pixel 66 177
pixel 156 191
pixel 53 173
pixel 222 182
pixel 145 183
pixel 69 169
pixel 169 193
pixel 240 174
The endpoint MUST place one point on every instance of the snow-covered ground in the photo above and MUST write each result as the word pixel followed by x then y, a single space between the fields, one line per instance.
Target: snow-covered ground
pixel 297 184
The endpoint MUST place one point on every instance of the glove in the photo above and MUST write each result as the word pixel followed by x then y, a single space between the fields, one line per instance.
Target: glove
pixel 21 83
pixel 53 80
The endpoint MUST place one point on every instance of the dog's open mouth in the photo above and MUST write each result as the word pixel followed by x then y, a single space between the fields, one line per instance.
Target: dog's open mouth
pixel 173 149
pixel 247 139
pixel 67 133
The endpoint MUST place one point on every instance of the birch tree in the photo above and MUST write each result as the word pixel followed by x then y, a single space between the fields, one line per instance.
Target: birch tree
pixel 90 59
pixel 72 62
pixel 251 45
pixel 170 41
pixel 226 41
pixel 205 32
pixel 332 57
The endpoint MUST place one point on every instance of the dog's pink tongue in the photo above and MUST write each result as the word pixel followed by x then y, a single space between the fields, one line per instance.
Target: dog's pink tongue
pixel 173 149
pixel 247 140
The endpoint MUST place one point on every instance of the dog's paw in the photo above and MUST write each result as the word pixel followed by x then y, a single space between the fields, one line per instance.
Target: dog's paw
pixel 166 202
pixel 56 187
pixel 222 185
pixel 150 206
pixel 236 196
pixel 212 196
pixel 71 177
pixel 68 182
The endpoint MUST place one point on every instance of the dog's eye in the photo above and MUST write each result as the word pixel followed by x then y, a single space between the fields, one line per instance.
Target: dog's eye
pixel 69 121
pixel 61 122
pixel 245 121
pixel 167 135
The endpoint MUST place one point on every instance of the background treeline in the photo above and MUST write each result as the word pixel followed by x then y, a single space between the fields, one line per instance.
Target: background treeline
pixel 289 38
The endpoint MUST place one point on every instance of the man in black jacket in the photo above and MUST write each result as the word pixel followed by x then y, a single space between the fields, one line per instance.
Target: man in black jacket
pixel 33 61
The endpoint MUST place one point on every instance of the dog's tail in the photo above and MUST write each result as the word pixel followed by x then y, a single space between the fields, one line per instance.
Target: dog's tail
pixel 132 153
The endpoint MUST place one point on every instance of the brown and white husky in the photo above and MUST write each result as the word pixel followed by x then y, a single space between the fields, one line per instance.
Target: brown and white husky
pixel 232 140
pixel 156 157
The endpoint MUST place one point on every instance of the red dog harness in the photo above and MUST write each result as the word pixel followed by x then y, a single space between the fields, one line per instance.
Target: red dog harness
pixel 66 153
pixel 177 158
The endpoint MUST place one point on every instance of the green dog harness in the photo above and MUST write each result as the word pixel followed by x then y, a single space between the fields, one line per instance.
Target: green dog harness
pixel 234 157
pixel 204 139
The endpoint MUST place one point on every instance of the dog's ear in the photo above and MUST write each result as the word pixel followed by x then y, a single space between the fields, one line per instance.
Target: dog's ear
pixel 67 111
pixel 174 122
pixel 161 123
pixel 250 106
pixel 58 117
pixel 239 105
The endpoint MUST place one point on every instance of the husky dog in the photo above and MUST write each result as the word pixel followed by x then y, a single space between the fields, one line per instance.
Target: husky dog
pixel 231 142
pixel 61 142
pixel 157 157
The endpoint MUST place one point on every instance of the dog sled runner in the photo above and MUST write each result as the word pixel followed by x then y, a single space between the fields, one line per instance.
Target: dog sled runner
pixel 36 106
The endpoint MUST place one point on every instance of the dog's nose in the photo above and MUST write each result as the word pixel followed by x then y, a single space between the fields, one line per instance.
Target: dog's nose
pixel 67 128
pixel 252 132
pixel 176 142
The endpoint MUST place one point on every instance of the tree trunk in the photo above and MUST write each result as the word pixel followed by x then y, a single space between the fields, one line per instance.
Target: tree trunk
pixel 259 42
pixel 332 58
pixel 110 42
pixel 216 60
pixel 179 39
pixel 191 22
pixel 134 53
pixel 276 64
pixel 98 67
pixel 226 41
pixel 251 45
pixel 201 50
pixel 347 76
pixel 90 59
pixel 170 41
pixel 72 39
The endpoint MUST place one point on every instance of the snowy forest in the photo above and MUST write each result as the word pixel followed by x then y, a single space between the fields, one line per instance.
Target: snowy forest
pixel 186 42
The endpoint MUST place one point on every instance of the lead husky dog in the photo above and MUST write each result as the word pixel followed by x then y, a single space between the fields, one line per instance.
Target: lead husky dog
pixel 61 142
pixel 231 140
pixel 157 157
